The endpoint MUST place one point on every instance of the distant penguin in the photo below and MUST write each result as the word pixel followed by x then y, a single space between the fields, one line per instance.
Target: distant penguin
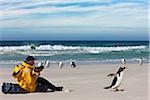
pixel 61 65
pixel 72 64
pixel 123 60
pixel 47 64
pixel 141 61
pixel 117 79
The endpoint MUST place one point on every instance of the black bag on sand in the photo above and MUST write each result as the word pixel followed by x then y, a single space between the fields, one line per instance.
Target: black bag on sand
pixel 11 88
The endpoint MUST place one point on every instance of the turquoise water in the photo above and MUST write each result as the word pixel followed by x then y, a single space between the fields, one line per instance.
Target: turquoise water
pixel 79 51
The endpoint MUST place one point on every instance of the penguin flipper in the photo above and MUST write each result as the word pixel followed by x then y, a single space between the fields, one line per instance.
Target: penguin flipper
pixel 112 74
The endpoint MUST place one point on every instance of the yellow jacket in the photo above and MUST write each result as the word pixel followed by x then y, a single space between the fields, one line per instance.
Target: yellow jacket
pixel 26 77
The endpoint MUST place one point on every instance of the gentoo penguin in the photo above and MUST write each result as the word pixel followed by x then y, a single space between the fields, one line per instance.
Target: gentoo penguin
pixel 61 65
pixel 47 63
pixel 141 61
pixel 72 64
pixel 123 60
pixel 117 79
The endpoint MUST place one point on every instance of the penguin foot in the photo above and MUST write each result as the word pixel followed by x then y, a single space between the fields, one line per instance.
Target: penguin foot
pixel 117 90
pixel 121 89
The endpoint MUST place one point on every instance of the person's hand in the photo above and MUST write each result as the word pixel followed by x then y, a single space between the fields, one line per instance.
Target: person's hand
pixel 38 69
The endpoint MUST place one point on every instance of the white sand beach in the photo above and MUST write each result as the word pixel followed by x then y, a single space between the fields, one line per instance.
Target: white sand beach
pixel 87 82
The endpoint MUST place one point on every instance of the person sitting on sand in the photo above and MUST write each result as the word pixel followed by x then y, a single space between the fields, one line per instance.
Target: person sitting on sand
pixel 27 77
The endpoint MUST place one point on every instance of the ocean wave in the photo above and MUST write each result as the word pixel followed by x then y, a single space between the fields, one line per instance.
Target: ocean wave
pixel 14 48
pixel 110 49
pixel 50 50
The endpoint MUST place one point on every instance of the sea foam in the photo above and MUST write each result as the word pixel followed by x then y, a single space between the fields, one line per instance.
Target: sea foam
pixel 49 50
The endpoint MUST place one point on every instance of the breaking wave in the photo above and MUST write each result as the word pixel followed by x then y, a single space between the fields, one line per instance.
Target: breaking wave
pixel 49 50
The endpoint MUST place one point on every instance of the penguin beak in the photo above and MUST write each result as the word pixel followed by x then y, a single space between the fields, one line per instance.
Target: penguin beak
pixel 125 67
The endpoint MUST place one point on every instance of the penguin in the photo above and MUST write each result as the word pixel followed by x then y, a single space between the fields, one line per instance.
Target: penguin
pixel 141 61
pixel 117 79
pixel 123 60
pixel 47 64
pixel 60 64
pixel 72 64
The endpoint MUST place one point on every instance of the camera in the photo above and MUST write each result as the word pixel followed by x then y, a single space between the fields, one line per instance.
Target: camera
pixel 39 68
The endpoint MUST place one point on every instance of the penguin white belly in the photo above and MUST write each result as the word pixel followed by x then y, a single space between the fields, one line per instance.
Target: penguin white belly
pixel 119 80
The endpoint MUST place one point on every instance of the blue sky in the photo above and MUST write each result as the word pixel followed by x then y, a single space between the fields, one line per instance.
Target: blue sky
pixel 74 19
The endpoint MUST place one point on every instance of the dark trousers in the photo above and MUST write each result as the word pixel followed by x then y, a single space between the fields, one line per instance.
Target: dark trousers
pixel 43 83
